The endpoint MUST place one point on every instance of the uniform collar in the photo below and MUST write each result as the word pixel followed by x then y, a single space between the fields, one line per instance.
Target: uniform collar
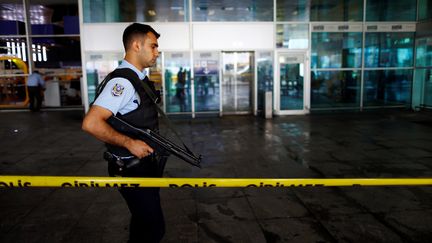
pixel 126 64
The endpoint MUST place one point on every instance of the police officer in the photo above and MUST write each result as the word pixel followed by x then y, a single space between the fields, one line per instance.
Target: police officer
pixel 124 98
pixel 35 87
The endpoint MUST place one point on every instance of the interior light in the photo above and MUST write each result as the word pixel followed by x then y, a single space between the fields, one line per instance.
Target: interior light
pixel 301 71
pixel 13 48
pixel 18 50
pixel 8 45
pixel 151 12
pixel 39 53
pixel 34 52
pixel 24 51
pixel 44 55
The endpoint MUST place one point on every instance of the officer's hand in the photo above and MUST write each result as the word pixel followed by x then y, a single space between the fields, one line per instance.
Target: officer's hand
pixel 138 148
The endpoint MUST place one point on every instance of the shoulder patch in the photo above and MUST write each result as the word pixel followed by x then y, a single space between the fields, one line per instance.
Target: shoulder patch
pixel 117 90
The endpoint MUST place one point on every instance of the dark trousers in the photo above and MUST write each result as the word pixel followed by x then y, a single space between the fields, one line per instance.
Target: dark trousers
pixel 35 97
pixel 147 221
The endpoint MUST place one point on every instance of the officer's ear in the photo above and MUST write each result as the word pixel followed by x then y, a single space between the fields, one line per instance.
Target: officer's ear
pixel 136 44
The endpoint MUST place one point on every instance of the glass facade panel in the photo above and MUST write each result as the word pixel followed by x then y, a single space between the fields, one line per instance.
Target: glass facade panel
pixel 331 10
pixel 387 87
pixel 424 52
pixel 292 36
pixel 335 55
pixel 57 53
pixel 12 72
pixel 16 47
pixel 206 80
pixel 12 18
pixel 237 81
pixel 98 67
pixel 291 85
pixel 62 90
pixel 240 10
pixel 330 89
pixel 265 76
pixel 336 50
pixel 50 17
pixel 57 58
pixel 155 75
pixel 101 11
pixel 425 75
pixel 425 9
pixel 391 10
pixel 13 91
pixel 422 88
pixel 177 82
pixel 288 10
pixel 389 49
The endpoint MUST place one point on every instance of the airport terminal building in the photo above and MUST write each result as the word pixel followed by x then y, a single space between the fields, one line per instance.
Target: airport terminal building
pixel 312 55
pixel 303 60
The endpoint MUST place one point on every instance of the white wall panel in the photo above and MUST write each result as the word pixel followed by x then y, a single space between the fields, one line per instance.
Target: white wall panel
pixel 108 37
pixel 233 36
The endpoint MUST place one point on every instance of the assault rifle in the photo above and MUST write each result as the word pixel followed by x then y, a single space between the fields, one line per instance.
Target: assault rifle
pixel 161 145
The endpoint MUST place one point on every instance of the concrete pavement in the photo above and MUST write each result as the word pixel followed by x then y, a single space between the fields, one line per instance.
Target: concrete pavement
pixel 360 145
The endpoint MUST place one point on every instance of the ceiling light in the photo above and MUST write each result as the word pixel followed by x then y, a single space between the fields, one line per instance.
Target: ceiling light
pixel 228 8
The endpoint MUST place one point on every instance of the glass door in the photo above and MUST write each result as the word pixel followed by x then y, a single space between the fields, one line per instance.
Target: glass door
pixel 293 93
pixel 237 82
pixel 206 82
pixel 264 66
pixel 177 78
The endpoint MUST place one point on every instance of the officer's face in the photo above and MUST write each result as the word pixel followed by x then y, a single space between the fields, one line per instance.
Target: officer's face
pixel 149 50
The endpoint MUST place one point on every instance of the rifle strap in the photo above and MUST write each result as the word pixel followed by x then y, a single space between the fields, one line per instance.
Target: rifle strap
pixel 154 98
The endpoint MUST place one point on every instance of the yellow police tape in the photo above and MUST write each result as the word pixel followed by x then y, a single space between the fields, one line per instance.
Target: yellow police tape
pixel 73 181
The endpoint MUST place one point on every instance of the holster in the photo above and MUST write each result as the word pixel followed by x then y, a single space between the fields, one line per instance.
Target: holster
pixel 121 167
pixel 118 166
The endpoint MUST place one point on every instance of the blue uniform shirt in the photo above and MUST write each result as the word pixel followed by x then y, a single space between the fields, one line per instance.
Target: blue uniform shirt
pixel 119 95
pixel 34 80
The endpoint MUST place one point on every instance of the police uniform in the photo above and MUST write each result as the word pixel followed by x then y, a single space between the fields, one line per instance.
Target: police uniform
pixel 35 86
pixel 127 100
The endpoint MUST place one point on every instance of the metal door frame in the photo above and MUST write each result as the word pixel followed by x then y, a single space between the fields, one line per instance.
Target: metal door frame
pixel 306 83
pixel 251 88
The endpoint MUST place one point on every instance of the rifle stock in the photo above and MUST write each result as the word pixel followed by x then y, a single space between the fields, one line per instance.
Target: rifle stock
pixel 160 144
